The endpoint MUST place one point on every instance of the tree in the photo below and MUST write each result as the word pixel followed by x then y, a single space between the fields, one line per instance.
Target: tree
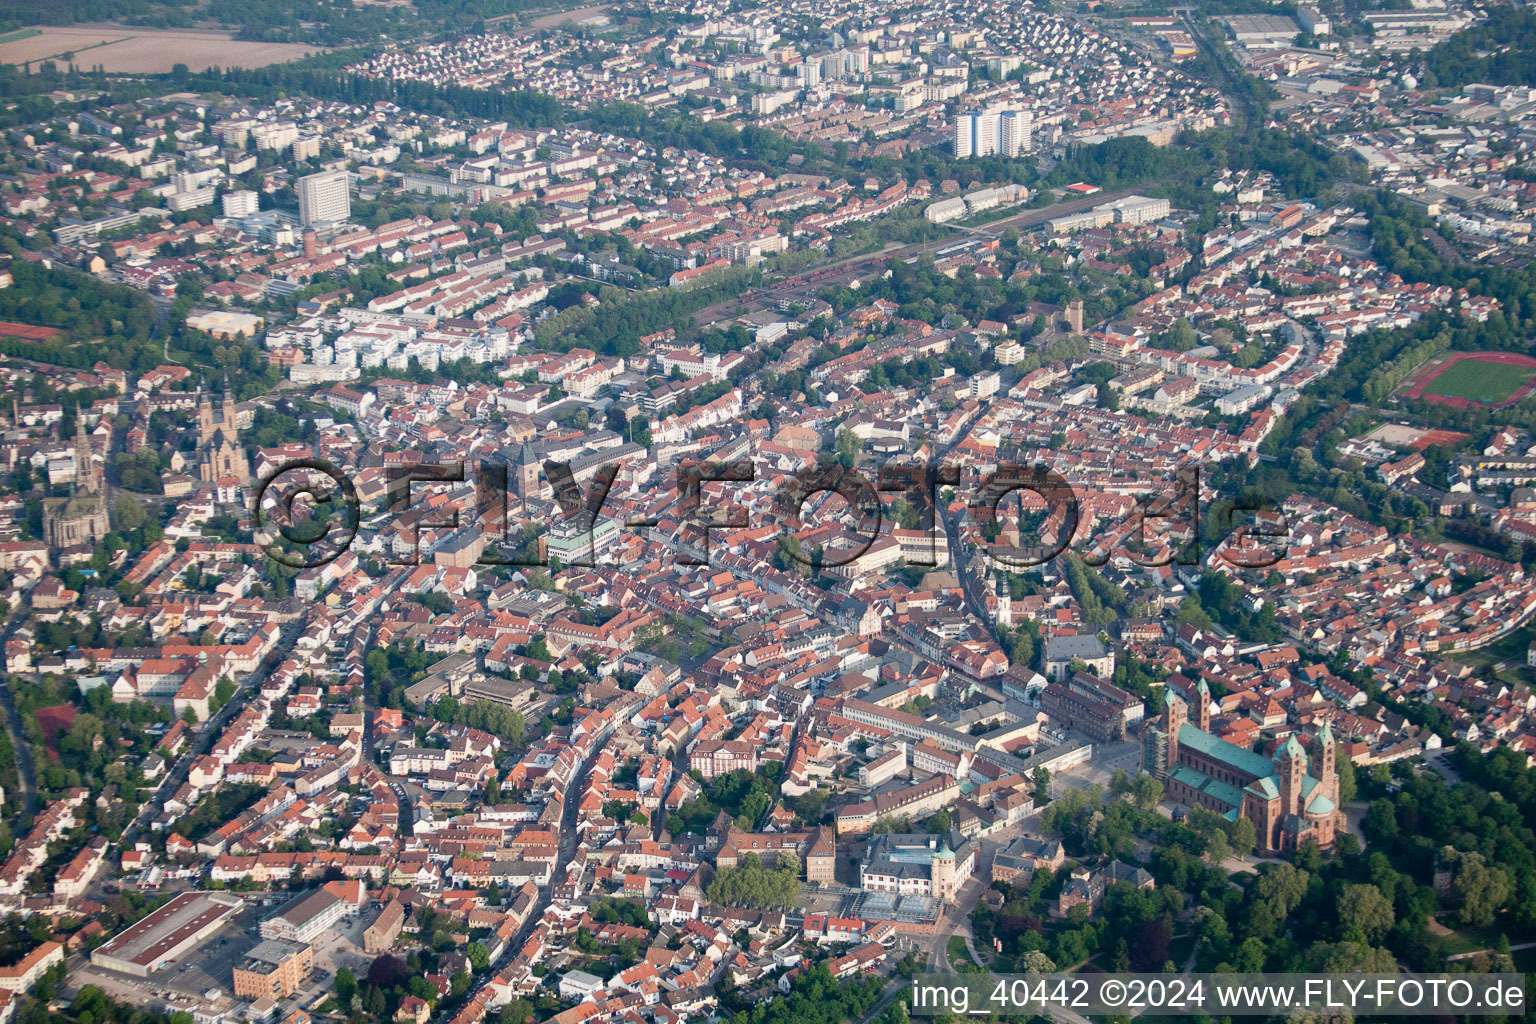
pixel 346 986
pixel 1347 784
pixel 388 970
pixel 1380 822
pixel 374 1002
pixel 518 1011
pixel 1149 950
pixel 1035 962
pixel 1243 837
pixel 479 956
pixel 1477 891
pixel 1182 338
pixel 128 514
pixel 1363 908
pixel 750 884
pixel 1042 780
pixel 1147 792
pixel 223 691
pixel 753 807
pixel 1280 889
pixel 848 445
pixel 1217 847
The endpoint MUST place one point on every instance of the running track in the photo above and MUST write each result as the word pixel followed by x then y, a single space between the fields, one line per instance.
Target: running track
pixel 1416 388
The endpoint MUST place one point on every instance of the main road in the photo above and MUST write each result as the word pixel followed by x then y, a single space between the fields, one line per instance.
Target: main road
pixel 26 775
pixel 210 730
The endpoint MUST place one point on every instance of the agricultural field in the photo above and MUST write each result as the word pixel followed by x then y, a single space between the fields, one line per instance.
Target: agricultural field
pixel 127 49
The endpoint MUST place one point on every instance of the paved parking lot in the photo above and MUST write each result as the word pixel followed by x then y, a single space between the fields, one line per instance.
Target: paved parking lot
pixel 340 947
pixel 1098 770
pixel 815 901
pixel 212 965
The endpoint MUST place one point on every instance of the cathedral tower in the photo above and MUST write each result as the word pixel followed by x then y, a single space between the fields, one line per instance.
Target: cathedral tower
pixel 1325 762
pixel 228 414
pixel 204 416
pixel 1292 763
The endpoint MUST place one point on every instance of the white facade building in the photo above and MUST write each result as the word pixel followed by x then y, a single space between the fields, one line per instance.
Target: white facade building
pixel 993 133
pixel 324 197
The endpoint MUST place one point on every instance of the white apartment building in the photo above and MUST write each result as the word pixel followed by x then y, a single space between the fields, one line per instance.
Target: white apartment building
pixel 240 204
pixel 324 197
pixel 993 133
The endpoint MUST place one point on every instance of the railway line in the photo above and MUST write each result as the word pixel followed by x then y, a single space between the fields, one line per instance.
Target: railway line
pixel 850 268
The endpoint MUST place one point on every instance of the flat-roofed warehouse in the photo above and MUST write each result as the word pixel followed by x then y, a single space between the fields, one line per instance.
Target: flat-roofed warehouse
pixel 168 933
pixel 1261 28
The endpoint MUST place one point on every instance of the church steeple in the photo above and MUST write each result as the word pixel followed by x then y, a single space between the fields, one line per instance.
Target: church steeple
pixel 85 463
pixel 227 412
pixel 204 416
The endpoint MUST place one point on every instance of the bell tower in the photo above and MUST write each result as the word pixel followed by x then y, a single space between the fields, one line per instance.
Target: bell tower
pixel 227 412
pixel 1175 715
pixel 204 416
pixel 1292 763
pixel 1325 762
pixel 85 463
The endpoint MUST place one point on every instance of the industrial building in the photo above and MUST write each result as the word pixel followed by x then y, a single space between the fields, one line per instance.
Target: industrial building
pixel 1130 210
pixel 167 934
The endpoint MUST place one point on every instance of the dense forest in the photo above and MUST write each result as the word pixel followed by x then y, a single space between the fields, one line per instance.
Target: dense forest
pixel 517 107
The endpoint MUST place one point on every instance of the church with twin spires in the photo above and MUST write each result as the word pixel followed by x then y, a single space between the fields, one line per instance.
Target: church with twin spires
pixel 1291 799
pixel 219 454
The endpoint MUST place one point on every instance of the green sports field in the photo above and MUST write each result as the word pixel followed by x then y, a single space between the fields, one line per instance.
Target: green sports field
pixel 1478 381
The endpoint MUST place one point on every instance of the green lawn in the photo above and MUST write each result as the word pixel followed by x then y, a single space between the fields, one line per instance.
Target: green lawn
pixel 1465 939
pixel 1180 948
pixel 1480 381
pixel 20 34
pixel 955 947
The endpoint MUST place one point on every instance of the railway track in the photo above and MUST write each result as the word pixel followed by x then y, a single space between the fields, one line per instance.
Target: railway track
pixel 843 271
